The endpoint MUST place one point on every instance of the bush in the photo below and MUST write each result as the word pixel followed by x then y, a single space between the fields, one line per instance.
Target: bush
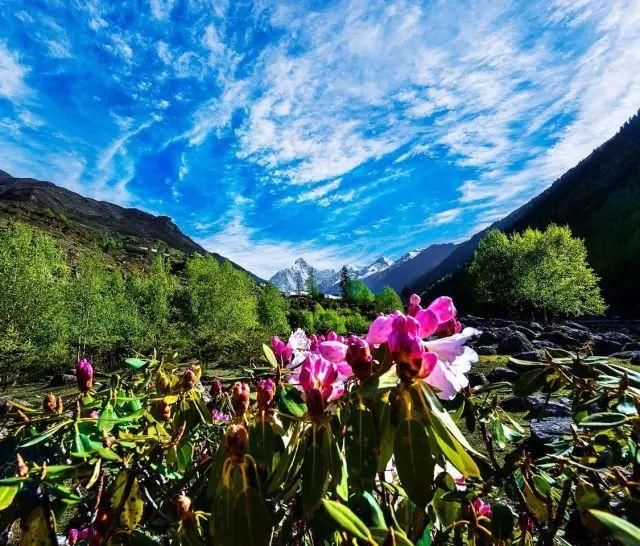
pixel 388 300
pixel 364 451
pixel 272 310
pixel 540 272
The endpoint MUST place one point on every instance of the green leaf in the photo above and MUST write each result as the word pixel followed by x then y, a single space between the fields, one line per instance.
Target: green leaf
pixel 622 530
pixel 108 418
pixel 502 521
pixel 361 447
pixel 268 354
pixel 604 420
pixel 262 443
pixel 7 494
pixel 347 520
pixel 46 434
pixel 127 498
pixel 291 402
pixel 525 363
pixel 373 386
pixel 251 524
pixel 36 531
pixel 314 478
pixel 414 461
pixel 380 534
pixel 452 449
pixel 530 382
pixel 135 363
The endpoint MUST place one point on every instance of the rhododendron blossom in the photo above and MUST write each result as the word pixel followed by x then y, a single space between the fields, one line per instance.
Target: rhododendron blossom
pixel 320 382
pixel 407 349
pixel 281 350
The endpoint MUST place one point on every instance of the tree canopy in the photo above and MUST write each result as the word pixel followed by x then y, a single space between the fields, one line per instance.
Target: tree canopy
pixel 536 271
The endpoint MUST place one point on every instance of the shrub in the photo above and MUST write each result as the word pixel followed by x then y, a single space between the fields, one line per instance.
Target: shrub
pixel 541 272
pixel 388 300
pixel 364 445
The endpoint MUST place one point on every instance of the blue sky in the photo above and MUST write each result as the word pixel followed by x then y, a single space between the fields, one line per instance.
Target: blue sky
pixel 337 131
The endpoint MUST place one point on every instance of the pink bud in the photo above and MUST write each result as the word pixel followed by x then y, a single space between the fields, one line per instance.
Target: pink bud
pixel 359 357
pixel 240 397
pixel 265 393
pixel 216 388
pixel 281 350
pixel 414 305
pixel 84 375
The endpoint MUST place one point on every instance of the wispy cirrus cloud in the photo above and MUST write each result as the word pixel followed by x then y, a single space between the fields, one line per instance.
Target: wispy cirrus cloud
pixel 329 118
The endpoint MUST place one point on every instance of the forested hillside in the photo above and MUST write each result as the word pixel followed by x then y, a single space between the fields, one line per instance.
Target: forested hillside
pixel 599 200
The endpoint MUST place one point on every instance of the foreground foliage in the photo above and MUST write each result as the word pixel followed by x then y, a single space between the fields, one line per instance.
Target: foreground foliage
pixel 330 440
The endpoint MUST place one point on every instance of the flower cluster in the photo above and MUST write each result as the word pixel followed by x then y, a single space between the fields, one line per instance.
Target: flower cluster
pixel 427 344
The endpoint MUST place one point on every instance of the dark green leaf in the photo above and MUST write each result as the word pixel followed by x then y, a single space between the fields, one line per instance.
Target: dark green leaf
pixel 604 420
pixel 314 478
pixel 502 521
pixel 414 461
pixel 622 530
pixel 361 448
pixel 347 520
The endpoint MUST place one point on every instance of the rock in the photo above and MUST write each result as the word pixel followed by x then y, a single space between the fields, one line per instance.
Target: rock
pixel 535 327
pixel 62 380
pixel 618 337
pixel 560 338
pixel 486 350
pixel 632 356
pixel 554 408
pixel 514 343
pixel 534 356
pixel 542 344
pixel 502 374
pixel 529 334
pixel 633 346
pixel 488 337
pixel 603 346
pixel 476 378
pixel 518 403
pixel 548 429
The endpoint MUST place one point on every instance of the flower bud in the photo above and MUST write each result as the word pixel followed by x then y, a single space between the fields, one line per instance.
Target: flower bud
pixel 281 349
pixel 315 403
pixel 332 336
pixel 313 342
pixel 164 411
pixel 183 507
pixel 236 442
pixel 50 403
pixel 84 375
pixel 22 470
pixel 359 357
pixel 414 305
pixel 240 397
pixel 189 378
pixel 216 388
pixel 265 394
pixel 163 383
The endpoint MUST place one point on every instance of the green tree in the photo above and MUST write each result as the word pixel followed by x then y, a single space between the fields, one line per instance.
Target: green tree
pixel 345 283
pixel 33 280
pixel 272 310
pixel 311 285
pixel 221 298
pixel 360 294
pixel 533 271
pixel 355 323
pixel 388 300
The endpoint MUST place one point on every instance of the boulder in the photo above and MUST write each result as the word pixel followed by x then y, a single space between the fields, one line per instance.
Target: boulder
pixel 502 374
pixel 529 334
pixel 633 346
pixel 488 337
pixel 62 380
pixel 553 408
pixel 548 429
pixel 603 346
pixel 486 350
pixel 521 403
pixel 536 327
pixel 476 378
pixel 514 343
pixel 618 337
pixel 562 339
pixel 534 356
pixel 542 344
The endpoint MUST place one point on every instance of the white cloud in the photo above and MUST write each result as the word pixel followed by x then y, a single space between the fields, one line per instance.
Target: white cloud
pixel 319 191
pixel 444 217
pixel 12 74
pixel 161 9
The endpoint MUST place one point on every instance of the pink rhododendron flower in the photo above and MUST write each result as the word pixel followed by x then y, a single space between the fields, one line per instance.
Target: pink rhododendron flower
pixel 443 308
pixel 454 361
pixel 452 326
pixel 298 340
pixel 334 351
pixel 320 382
pixel 359 357
pixel 281 350
pixel 413 361
pixel 380 329
pixel 481 508
pixel 265 394
pixel 219 417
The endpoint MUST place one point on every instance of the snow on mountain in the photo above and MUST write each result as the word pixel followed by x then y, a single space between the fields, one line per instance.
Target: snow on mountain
pixel 294 278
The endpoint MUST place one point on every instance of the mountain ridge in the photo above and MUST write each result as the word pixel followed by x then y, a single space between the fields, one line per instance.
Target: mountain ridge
pixel 46 204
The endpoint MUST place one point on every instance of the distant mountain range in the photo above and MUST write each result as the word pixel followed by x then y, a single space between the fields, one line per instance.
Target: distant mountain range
pixel 128 235
pixel 382 272
pixel 599 199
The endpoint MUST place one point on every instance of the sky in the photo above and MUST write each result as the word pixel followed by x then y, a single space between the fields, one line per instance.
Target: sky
pixel 338 131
